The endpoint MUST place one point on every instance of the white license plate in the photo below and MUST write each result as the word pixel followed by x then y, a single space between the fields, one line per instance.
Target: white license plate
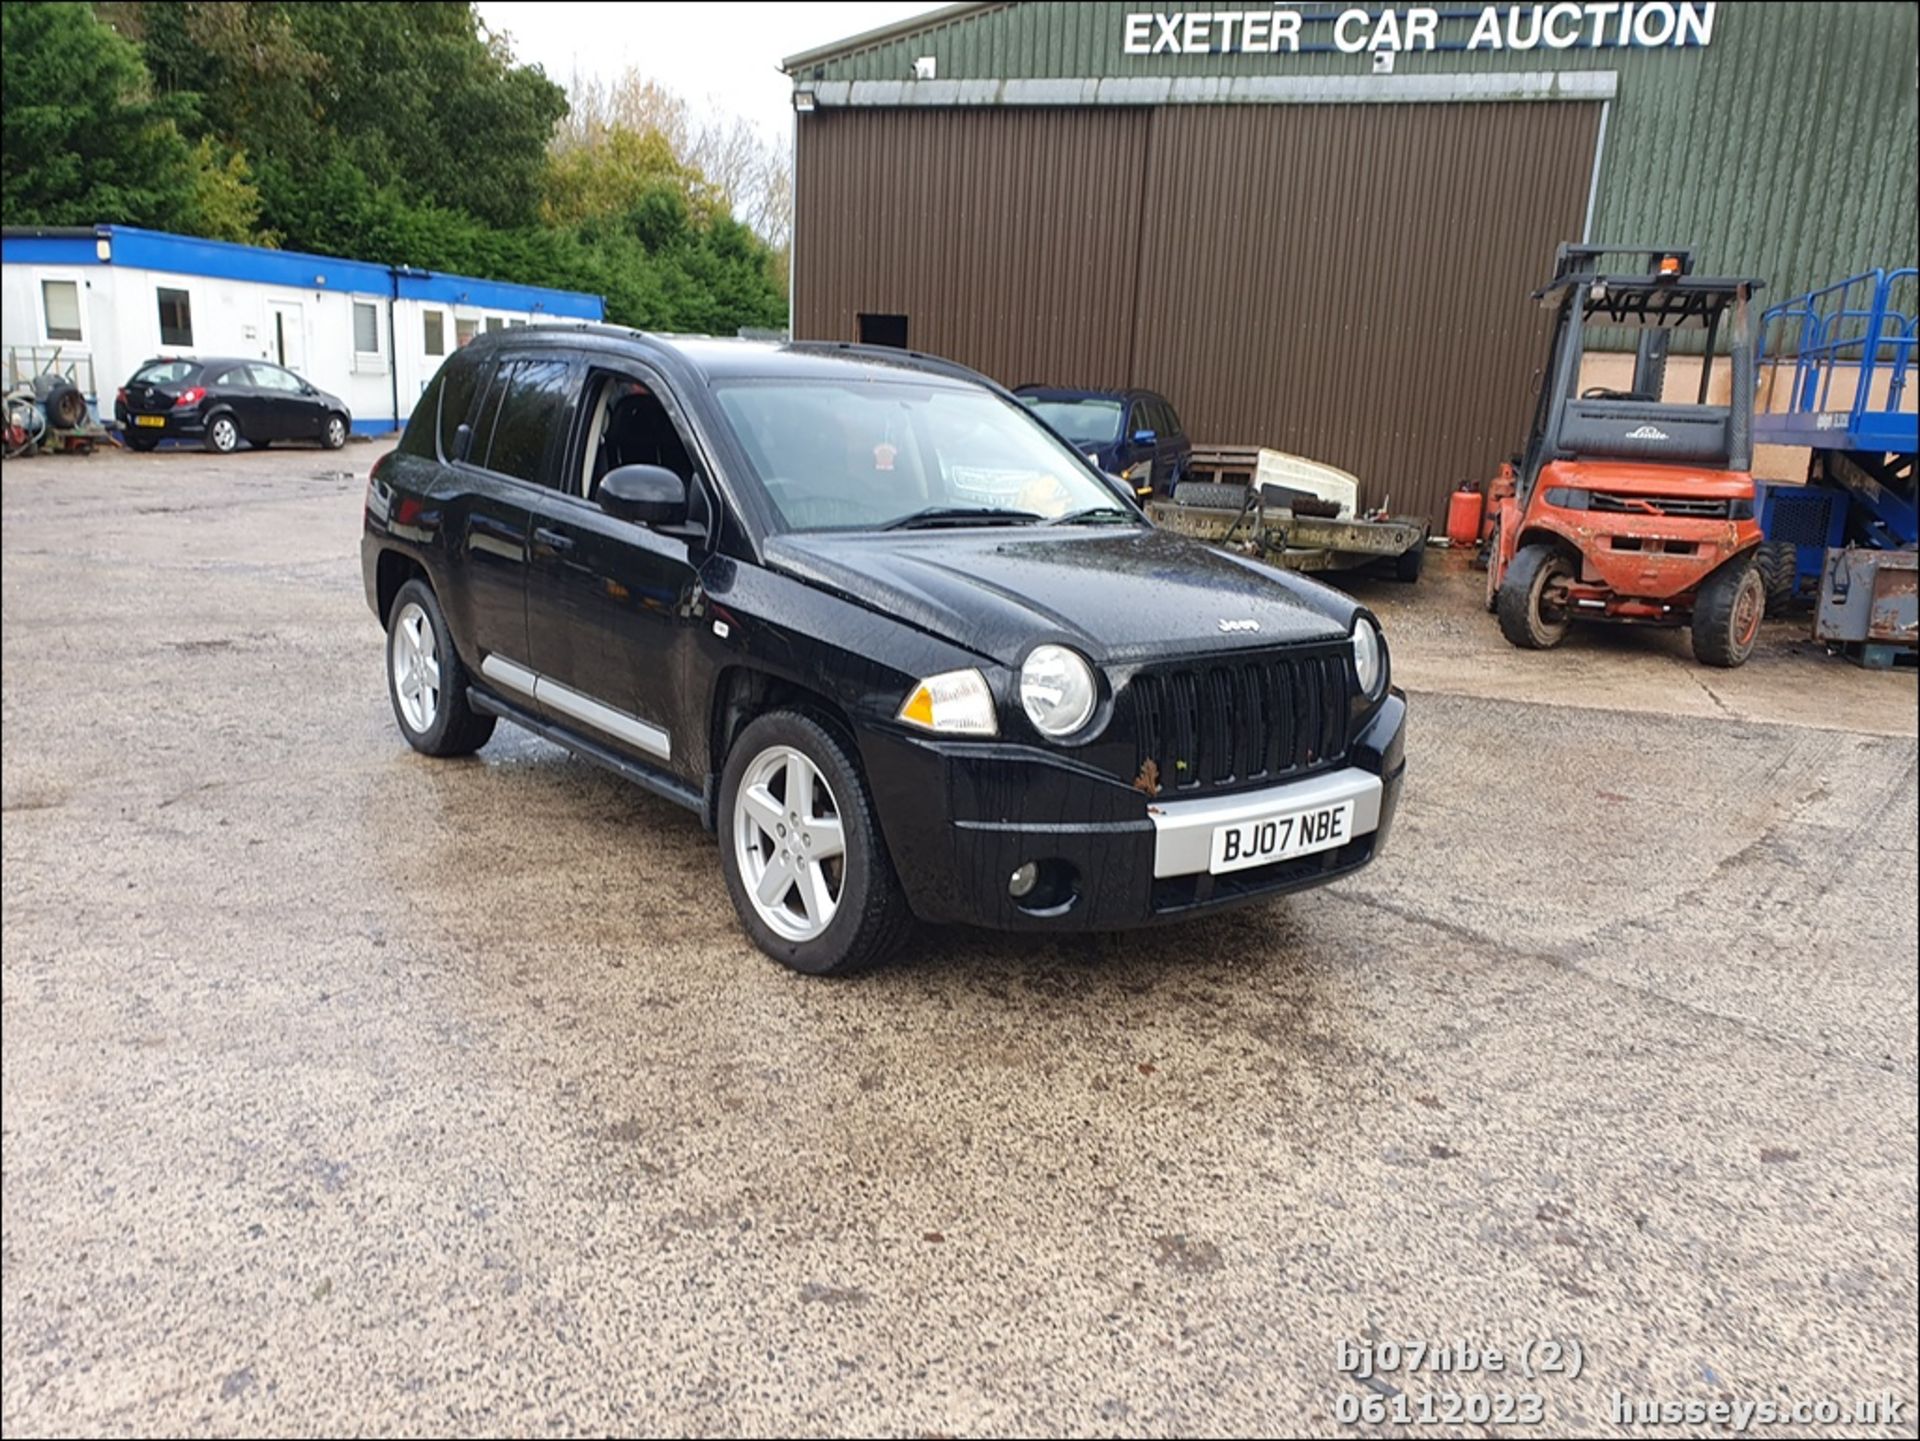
pixel 1266 839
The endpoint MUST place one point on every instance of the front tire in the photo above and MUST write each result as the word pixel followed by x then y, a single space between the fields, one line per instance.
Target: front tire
pixel 333 434
pixel 223 435
pixel 1727 612
pixel 802 852
pixel 1534 613
pixel 426 682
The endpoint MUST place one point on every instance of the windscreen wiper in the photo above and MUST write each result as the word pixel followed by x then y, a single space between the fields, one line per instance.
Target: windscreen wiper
pixel 1096 513
pixel 935 515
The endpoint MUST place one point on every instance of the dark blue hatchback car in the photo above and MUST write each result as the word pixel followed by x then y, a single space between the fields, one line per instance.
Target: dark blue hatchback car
pixel 1133 434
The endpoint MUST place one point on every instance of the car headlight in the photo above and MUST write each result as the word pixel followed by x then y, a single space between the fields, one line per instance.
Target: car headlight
pixel 1057 690
pixel 1369 658
pixel 955 702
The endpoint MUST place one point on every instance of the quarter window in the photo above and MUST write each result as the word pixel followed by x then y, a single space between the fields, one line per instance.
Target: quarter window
pixel 532 408
pixel 176 317
pixel 435 326
pixel 463 382
pixel 366 328
pixel 61 301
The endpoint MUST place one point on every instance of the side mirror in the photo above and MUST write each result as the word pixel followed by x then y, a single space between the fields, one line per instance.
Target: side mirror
pixel 1144 437
pixel 645 495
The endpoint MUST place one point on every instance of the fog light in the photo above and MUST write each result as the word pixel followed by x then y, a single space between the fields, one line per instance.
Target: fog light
pixel 1024 880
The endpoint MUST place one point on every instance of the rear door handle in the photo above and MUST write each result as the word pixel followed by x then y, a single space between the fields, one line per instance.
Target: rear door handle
pixel 557 541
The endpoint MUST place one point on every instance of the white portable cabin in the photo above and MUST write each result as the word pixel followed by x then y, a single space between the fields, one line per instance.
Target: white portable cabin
pixel 95 302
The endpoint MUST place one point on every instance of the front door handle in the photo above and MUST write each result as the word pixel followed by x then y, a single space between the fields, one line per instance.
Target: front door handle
pixel 556 541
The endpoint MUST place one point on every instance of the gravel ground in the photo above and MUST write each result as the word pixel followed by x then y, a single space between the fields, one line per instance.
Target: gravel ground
pixel 351 1092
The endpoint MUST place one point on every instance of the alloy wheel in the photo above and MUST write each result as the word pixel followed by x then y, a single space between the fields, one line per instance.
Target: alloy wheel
pixel 416 667
pixel 790 843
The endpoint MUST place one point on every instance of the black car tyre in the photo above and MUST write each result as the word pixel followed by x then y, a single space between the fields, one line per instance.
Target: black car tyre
pixel 425 680
pixel 1727 611
pixel 333 434
pixel 1533 611
pixel 223 435
pixel 802 851
pixel 137 441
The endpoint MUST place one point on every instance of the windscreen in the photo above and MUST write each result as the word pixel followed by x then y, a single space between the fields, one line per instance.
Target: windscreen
pixel 1084 422
pixel 861 455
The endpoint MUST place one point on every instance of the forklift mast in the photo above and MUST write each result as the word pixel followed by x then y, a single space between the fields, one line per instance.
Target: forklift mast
pixel 1656 291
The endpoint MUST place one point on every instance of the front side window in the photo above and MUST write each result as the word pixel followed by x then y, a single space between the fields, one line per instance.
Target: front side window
pixel 176 317
pixel 366 328
pixel 1084 422
pixel 533 407
pixel 862 455
pixel 61 301
pixel 434 326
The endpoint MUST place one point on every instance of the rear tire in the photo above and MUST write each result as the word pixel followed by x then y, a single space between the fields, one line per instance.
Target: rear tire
pixel 223 435
pixel 1778 562
pixel 426 682
pixel 1727 612
pixel 1529 615
pixel 333 434
pixel 869 914
pixel 1493 555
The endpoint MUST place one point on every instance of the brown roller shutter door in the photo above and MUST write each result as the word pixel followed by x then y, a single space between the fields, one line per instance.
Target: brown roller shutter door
pixel 1344 281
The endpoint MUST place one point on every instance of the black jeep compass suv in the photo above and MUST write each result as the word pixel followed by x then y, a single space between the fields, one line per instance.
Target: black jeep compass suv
pixel 898 642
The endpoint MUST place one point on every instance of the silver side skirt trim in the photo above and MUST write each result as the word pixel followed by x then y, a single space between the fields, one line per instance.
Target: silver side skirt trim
pixel 642 735
pixel 1183 830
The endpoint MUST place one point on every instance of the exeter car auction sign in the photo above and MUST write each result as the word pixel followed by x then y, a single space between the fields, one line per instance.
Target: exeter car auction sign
pixel 1621 23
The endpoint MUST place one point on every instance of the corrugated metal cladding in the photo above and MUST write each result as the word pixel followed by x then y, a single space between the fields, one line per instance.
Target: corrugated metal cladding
pixel 1785 149
pixel 1348 282
pixel 1008 238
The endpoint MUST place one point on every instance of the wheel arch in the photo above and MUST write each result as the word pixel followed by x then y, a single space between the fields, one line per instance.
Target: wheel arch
pixel 740 694
pixel 393 569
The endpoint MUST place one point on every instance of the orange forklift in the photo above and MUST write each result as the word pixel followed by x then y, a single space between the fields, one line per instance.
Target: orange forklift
pixel 1627 505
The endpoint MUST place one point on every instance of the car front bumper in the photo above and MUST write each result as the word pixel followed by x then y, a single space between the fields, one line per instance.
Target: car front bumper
pixel 960 818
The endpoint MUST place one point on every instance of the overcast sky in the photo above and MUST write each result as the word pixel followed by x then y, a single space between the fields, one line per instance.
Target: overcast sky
pixel 723 55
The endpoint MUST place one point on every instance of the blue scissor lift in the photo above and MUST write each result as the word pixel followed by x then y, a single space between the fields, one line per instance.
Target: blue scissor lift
pixel 1836 375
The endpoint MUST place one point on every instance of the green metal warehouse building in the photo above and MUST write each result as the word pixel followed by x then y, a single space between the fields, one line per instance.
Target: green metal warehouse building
pixel 1315 227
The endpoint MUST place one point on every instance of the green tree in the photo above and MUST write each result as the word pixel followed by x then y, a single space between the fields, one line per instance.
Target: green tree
pixel 82 137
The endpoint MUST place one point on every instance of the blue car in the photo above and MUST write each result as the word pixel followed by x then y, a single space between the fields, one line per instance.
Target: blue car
pixel 1133 434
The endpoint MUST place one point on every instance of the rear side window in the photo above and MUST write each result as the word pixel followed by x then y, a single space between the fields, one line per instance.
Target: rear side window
pixel 1174 426
pixel 458 386
pixel 533 408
